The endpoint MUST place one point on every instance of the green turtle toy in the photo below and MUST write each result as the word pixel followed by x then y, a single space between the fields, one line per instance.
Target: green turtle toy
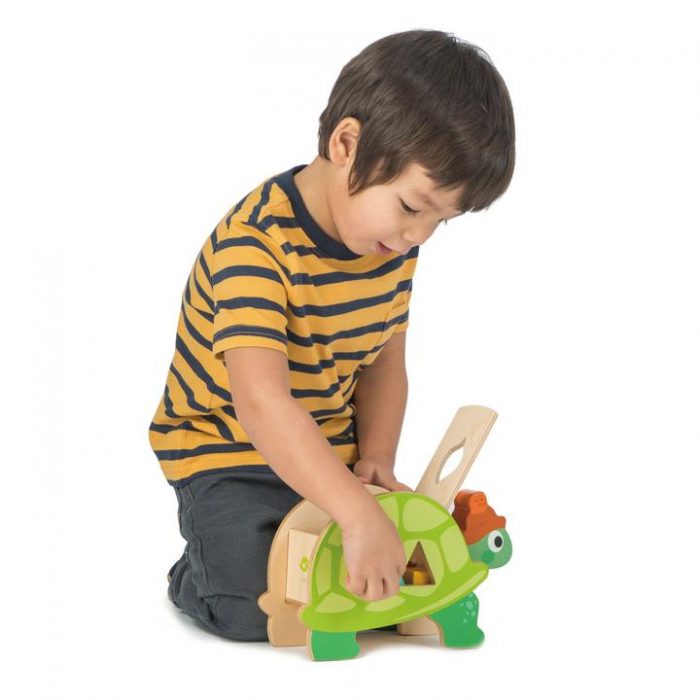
pixel 334 615
pixel 448 554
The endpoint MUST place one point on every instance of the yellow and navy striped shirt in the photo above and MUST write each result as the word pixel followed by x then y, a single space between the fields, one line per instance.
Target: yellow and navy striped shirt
pixel 269 276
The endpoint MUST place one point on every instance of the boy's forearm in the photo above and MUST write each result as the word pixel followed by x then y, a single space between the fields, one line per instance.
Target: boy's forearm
pixel 290 441
pixel 380 401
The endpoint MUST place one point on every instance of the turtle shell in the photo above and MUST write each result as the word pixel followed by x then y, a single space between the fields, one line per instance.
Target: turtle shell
pixel 418 519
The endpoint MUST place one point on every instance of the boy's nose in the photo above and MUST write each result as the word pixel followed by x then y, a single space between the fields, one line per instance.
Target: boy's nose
pixel 413 238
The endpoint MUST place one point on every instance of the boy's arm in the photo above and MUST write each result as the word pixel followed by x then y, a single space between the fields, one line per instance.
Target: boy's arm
pixel 288 437
pixel 380 401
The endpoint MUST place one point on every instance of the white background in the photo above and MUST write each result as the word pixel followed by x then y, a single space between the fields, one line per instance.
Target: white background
pixel 570 307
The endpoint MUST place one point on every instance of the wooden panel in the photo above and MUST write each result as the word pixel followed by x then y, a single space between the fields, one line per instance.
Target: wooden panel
pixel 300 547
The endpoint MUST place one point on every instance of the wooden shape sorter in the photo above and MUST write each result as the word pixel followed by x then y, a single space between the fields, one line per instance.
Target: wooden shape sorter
pixel 448 556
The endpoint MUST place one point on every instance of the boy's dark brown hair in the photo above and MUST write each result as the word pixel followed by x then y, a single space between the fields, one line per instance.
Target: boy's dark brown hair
pixel 427 97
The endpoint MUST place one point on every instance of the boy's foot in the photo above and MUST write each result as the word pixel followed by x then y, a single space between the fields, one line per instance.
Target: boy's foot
pixel 170 591
pixel 170 573
pixel 170 578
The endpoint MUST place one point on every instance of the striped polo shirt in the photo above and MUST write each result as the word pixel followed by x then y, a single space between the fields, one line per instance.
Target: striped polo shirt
pixel 269 276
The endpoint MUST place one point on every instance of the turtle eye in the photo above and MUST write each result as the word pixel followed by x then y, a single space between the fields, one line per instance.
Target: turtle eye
pixel 495 541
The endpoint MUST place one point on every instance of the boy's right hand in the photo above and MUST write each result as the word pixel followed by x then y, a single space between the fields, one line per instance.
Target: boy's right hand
pixel 374 556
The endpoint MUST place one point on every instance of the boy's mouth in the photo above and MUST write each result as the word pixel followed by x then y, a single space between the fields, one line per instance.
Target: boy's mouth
pixel 383 249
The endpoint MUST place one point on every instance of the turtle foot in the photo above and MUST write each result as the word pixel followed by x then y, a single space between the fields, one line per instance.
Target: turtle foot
pixel 333 646
pixel 458 623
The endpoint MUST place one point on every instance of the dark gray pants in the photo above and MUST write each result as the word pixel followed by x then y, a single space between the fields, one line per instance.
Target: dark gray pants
pixel 228 520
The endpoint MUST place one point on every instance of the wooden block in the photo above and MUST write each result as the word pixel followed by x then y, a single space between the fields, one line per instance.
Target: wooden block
pixel 299 548
pixel 420 578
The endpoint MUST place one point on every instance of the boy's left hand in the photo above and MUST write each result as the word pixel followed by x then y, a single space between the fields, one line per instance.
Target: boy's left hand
pixel 372 472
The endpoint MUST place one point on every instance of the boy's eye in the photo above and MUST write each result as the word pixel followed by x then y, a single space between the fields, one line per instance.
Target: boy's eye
pixel 407 208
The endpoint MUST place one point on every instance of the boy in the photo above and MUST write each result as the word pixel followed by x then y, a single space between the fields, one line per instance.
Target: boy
pixel 288 379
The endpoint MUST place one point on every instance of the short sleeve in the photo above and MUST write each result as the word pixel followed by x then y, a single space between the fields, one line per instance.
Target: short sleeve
pixel 250 294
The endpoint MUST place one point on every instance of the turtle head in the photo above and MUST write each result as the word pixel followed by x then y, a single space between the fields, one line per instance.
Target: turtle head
pixel 494 549
pixel 484 532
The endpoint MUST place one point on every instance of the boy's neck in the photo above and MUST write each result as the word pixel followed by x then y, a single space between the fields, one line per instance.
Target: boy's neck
pixel 312 183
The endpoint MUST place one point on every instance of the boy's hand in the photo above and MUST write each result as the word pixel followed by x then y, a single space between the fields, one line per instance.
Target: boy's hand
pixel 370 471
pixel 374 556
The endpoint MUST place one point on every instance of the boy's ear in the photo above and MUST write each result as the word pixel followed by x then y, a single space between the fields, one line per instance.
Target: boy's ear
pixel 342 144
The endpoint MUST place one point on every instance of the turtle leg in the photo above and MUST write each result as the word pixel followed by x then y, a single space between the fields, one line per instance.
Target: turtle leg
pixel 458 623
pixel 333 646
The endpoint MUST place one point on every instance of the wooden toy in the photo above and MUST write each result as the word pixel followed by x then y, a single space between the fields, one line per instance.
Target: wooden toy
pixel 307 603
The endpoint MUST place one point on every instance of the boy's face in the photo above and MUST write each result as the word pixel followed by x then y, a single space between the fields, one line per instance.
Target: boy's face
pixel 382 214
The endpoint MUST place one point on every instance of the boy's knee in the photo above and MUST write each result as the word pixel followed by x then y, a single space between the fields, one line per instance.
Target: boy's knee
pixel 238 617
